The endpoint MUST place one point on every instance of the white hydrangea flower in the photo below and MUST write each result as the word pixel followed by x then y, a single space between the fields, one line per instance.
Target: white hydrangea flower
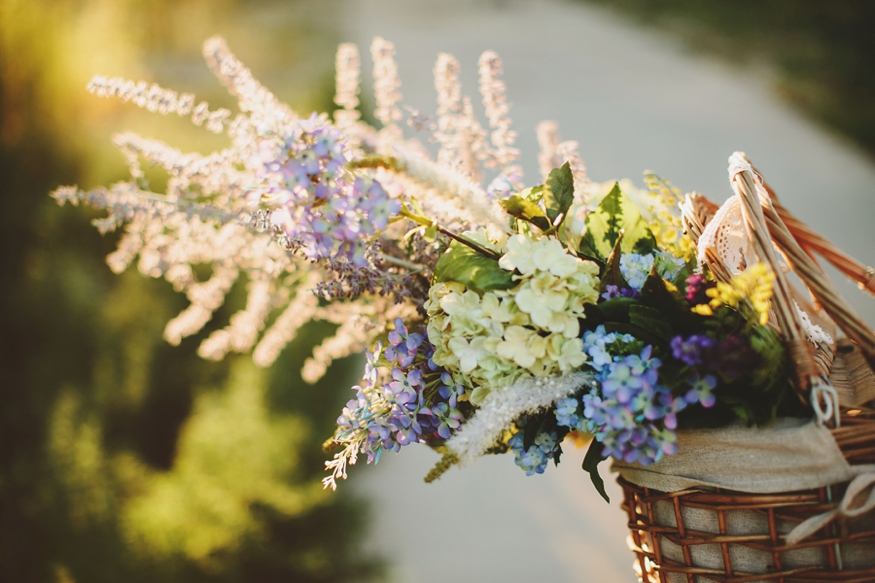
pixel 567 352
pixel 519 256
pixel 537 299
pixel 493 339
pixel 515 346
pixel 550 255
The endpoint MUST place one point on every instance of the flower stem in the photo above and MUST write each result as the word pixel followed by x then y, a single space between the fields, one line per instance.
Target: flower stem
pixel 427 222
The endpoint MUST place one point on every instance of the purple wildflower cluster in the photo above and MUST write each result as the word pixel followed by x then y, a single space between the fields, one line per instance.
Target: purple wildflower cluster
pixel 612 291
pixel 419 403
pixel 319 207
pixel 697 289
pixel 533 460
pixel 728 357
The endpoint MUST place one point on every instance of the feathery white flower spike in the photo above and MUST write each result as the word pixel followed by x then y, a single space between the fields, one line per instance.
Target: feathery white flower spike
pixel 502 406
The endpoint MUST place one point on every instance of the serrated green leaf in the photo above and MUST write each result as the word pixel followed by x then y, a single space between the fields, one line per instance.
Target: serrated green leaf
pixel 559 192
pixel 591 462
pixel 474 270
pixel 650 320
pixel 526 210
pixel 617 213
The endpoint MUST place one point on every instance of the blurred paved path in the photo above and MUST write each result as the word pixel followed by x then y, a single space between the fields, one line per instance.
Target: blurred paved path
pixel 635 100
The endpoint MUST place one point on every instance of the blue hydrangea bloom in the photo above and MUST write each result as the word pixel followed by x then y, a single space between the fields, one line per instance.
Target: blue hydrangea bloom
pixel 631 414
pixel 534 460
pixel 635 268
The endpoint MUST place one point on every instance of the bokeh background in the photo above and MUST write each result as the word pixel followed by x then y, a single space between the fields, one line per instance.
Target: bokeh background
pixel 124 459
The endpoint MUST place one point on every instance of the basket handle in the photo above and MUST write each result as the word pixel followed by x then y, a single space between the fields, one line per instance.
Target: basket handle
pixel 744 182
pixel 812 243
pixel 764 225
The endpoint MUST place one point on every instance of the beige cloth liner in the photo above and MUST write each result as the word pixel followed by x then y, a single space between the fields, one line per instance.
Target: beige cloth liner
pixel 790 454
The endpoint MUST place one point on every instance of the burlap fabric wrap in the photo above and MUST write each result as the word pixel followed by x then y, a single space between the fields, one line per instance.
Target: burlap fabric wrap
pixel 789 455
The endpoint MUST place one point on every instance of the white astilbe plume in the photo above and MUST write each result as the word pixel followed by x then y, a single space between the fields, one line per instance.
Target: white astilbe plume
pixel 555 153
pixel 300 310
pixel 548 141
pixel 205 299
pixel 360 321
pixel 386 93
pixel 155 98
pixel 252 98
pixel 347 80
pixel 502 406
pixel 349 338
pixel 188 173
pixel 461 138
pixel 494 92
pixel 347 88
pixel 452 186
pixel 452 213
pixel 242 333
pixel 568 153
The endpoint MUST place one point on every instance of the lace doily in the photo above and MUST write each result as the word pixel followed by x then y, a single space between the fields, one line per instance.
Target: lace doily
pixel 725 233
pixel 815 333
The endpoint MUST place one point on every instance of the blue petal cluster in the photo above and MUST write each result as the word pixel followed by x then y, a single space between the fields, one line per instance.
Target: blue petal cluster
pixel 635 268
pixel 321 208
pixel 631 414
pixel 534 459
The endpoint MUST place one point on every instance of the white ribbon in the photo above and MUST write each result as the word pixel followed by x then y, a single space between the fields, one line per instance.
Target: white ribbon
pixel 848 508
pixel 825 393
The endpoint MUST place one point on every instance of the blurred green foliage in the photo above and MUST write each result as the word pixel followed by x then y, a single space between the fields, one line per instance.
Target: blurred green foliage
pixel 823 51
pixel 122 458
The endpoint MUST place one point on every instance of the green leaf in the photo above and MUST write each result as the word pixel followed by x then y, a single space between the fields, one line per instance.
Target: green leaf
pixel 559 192
pixel 612 274
pixel 657 294
pixel 526 210
pixel 769 370
pixel 530 432
pixel 617 309
pixel 557 453
pixel 591 462
pixel 533 193
pixel 614 214
pixel 651 320
pixel 474 270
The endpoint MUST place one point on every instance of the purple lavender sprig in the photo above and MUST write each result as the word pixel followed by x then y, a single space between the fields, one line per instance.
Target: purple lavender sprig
pixel 420 404
pixel 318 206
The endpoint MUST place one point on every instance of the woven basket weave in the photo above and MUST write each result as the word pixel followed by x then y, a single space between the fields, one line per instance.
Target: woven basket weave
pixel 715 535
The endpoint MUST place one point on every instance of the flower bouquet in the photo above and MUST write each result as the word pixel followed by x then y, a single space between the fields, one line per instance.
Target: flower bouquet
pixel 497 318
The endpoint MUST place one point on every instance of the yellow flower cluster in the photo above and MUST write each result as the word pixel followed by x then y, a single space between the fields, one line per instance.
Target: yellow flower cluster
pixel 665 221
pixel 500 336
pixel 749 291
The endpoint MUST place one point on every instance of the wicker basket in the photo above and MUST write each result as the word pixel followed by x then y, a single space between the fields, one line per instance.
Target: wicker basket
pixel 711 534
